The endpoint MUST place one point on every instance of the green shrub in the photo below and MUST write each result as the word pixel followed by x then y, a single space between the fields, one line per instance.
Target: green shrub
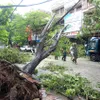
pixel 66 43
pixel 35 71
pixel 69 85
pixel 54 68
pixel 62 44
pixel 14 55
pixel 81 50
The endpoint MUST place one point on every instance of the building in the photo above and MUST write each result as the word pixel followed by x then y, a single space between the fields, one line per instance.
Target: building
pixel 86 6
pixel 58 7
pixel 74 18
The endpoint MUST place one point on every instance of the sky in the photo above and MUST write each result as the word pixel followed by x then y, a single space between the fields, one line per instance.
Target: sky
pixel 23 10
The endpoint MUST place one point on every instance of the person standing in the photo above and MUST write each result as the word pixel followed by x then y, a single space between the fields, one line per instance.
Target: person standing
pixel 74 52
pixel 64 54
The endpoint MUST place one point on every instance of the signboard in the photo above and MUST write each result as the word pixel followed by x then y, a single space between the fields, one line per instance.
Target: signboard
pixel 74 21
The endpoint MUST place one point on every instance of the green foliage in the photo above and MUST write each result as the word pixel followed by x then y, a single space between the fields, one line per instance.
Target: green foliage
pixel 63 43
pixel 13 55
pixel 4 20
pixel 4 35
pixel 54 68
pixel 5 16
pixel 35 71
pixel 14 27
pixel 70 92
pixel 91 22
pixel 37 20
pixel 98 85
pixel 69 85
pixel 17 28
pixel 81 50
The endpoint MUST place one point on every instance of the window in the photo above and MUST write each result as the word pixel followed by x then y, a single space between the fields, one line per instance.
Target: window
pixel 61 10
pixel 79 8
pixel 92 45
pixel 57 11
pixel 72 11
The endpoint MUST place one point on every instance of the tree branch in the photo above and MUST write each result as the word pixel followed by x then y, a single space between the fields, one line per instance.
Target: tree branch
pixel 47 27
pixel 53 46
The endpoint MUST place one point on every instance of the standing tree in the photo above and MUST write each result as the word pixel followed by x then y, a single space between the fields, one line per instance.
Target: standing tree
pixel 37 20
pixel 17 27
pixel 4 19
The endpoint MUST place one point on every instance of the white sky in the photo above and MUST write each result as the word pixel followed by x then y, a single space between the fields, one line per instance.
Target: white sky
pixel 22 10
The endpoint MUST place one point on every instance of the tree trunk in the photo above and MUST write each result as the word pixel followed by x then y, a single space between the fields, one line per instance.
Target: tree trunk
pixel 30 67
pixel 42 54
pixel 10 39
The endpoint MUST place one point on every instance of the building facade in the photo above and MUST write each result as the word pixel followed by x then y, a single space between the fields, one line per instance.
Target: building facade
pixel 74 18
pixel 58 7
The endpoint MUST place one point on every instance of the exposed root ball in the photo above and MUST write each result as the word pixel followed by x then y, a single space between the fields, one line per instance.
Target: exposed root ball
pixel 13 86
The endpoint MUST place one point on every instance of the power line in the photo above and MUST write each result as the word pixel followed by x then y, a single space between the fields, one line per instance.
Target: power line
pixel 9 6
pixel 9 16
pixel 66 13
pixel 15 9
pixel 10 35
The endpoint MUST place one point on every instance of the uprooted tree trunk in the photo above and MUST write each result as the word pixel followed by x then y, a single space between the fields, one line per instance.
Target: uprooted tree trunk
pixel 44 48
pixel 15 87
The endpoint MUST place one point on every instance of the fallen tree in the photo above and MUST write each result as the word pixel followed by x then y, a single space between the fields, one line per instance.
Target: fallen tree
pixel 44 48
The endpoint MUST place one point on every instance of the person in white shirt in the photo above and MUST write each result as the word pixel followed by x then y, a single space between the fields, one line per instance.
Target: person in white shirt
pixel 74 52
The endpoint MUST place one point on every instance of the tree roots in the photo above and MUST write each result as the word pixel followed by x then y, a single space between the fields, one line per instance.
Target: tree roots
pixel 15 87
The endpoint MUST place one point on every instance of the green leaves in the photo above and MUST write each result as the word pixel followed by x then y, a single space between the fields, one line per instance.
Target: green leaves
pixel 13 55
pixel 37 20
pixel 70 92
pixel 18 27
pixel 91 22
pixel 13 27
pixel 4 18
pixel 54 68
pixel 69 85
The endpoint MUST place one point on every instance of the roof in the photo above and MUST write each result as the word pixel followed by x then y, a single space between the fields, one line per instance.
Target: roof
pixel 57 4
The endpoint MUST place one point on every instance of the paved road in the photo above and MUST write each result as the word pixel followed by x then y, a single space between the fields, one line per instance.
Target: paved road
pixel 86 68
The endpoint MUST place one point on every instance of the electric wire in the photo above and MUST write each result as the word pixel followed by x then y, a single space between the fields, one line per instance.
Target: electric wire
pixel 15 9
pixel 66 13
pixel 9 6
pixel 9 16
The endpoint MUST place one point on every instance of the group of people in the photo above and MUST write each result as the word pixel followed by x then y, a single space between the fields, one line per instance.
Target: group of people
pixel 73 52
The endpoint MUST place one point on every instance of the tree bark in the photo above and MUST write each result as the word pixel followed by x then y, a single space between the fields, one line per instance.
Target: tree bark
pixel 31 67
